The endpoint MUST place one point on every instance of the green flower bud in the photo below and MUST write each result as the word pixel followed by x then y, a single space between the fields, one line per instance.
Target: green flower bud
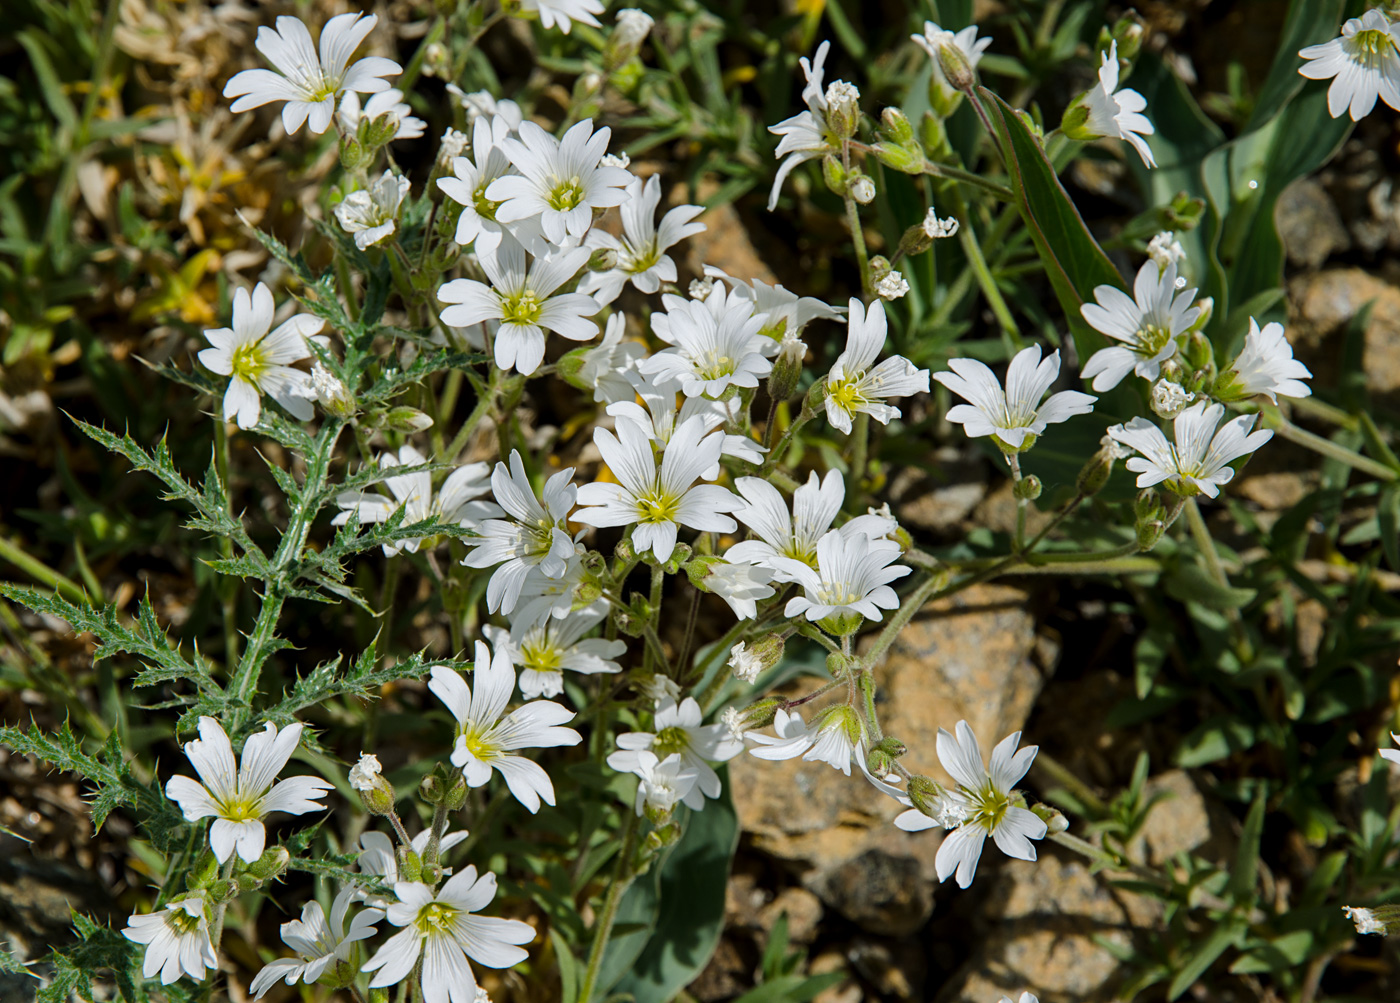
pixel 1147 505
pixel 406 419
pixel 699 569
pixel 1198 351
pixel 624 551
pixel 787 371
pixel 666 835
pixel 203 872
pixel 603 260
pixel 272 863
pixel 1094 474
pixel 586 593
pixel 570 366
pixel 760 714
pixel 879 267
pixel 834 175
pixel 904 159
pixel 593 562
pixel 629 624
pixel 926 793
pixel 679 556
pixel 1055 821
pixel 841 624
pixel 843 108
pixel 410 865
pixel 630 30
pixel 432 789
pixel 376 793
pixel 838 664
pixel 916 240
pixel 891 747
pixel 1128 33
pixel 352 155
pixel 1149 532
pixel 879 762
pixel 895 125
pixel 956 69
pixel 1027 488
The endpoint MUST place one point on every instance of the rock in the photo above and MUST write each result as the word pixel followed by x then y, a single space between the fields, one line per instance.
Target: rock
pixel 727 974
pixel 1040 919
pixel 804 913
pixel 972 656
pixel 894 969
pixel 1277 491
pixel 1323 303
pixel 997 512
pixel 1309 224
pixel 725 242
pixel 939 502
pixel 848 990
pixel 1179 823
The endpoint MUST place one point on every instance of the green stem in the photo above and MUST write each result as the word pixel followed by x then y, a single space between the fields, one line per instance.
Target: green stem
pixel 1325 447
pixel 1206 544
pixel 967 237
pixel 860 450
pixel 858 239
pixel 1001 192
pixel 803 416
pixel 41 572
pixel 484 404
pixel 602 928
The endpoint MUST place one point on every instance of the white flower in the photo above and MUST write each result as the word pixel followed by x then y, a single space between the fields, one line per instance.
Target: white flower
pixel 442 929
pixel 740 585
pixel 379 856
pixel 969 46
pixel 679 732
pixel 1365 920
pixel 413 492
pixel 641 251
pixel 606 365
pixel 892 286
pixel 987 800
pixel 616 160
pixel 562 13
pixel 660 418
pixel 660 689
pixel 483 103
pixel 631 27
pixel 1025 997
pixel 935 228
pixel 524 302
pixel 745 664
pixel 388 103
pixel 785 313
pixel 560 180
pixel 715 344
pixel 806 135
pixel 365 773
pixel 259 361
pixel 1199 461
pixel 655 503
pixel 471 178
pixel 485 739
pixel 1364 63
pixel 544 650
pixel 307 83
pixel 318 943
pixel 852 578
pixel 834 737
pixel 1015 414
pixel 814 508
pixel 1118 114
pixel 733 722
pixel 454 142
pixel 1391 755
pixel 536 536
pixel 1148 324
pixel 862 189
pixel 370 214
pixel 542 597
pixel 326 389
pixel 700 288
pixel 1169 399
pixel 239 797
pixel 662 783
pixel 1165 249
pixel 1265 366
pixel 176 938
pixel 853 386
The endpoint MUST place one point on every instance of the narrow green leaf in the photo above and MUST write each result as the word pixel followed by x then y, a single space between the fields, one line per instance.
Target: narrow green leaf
pixel 1241 887
pixel 1308 22
pixel 1203 957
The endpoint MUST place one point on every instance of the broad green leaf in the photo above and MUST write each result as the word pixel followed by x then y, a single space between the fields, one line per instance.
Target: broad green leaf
pixel 1308 22
pixel 1073 259
pixel 691 891
pixel 1214 740
pixel 1190 582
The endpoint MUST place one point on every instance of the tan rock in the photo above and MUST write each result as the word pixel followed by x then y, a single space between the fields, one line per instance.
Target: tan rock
pixel 804 913
pixel 997 512
pixel 1309 224
pixel 1323 303
pixel 1179 823
pixel 725 242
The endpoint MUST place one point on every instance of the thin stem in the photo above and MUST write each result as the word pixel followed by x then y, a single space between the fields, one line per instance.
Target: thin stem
pixel 803 416
pixel 967 237
pixel 1325 447
pixel 860 450
pixel 484 404
pixel 858 239
pixel 1019 544
pixel 692 615
pixel 431 852
pixel 602 928
pixel 39 571
pixel 1206 544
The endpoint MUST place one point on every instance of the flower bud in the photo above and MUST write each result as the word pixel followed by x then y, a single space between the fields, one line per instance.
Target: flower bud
pixel 861 188
pixel 787 369
pixel 1198 351
pixel 630 30
pixel 406 419
pixel 1027 488
pixel 838 664
pixel 1147 505
pixel 916 240
pixel 376 792
pixel 604 259
pixel 679 556
pixel 624 551
pixel 630 624
pixel 432 789
pixel 273 862
pixel 842 108
pixel 956 69
pixel 570 366
pixel 1128 33
pixel 410 864
pixel 353 156
pixel 203 872
pixel 904 159
pixel 748 662
pixel 1149 533
pixel 586 593
pixel 892 747
pixel 834 175
pixel 879 762
pixel 663 836
pixel 1094 474
pixel 1054 819
pixel 1382 919
pixel 896 126
pixel 926 793
pixel 760 714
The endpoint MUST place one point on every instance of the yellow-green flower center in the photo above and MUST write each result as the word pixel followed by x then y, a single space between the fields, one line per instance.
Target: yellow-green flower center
pixel 436 918
pixel 836 594
pixel 669 741
pixel 847 395
pixel 1371 42
pixel 713 366
pixel 1152 338
pixel 988 806
pixel 477 741
pixel 540 654
pixel 657 506
pixel 182 922
pixel 248 361
pixel 240 808
pixel 484 206
pixel 522 308
pixel 566 195
pixel 639 261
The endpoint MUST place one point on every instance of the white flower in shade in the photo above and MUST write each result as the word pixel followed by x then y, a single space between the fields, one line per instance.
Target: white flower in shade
pixel 365 774
pixel 1199 461
pixel 372 213
pixel 834 737
pixel 469 181
pixel 309 84
pixel 560 181
pixel 388 104
pixel 536 536
pixel 856 385
pixel 318 942
pixel 606 365
pixel 892 286
pixel 988 804
pixel 1147 323
pixel 1391 755
pixel 715 343
pixel 657 502
pixel 659 689
pixel 1165 249
pixel 378 856
pixel 1114 112
pixel 851 578
pixel 660 418
pixel 544 650
pixel 740 585
pixel 1363 64
pixel 1169 399
pixel 780 534
pixel 483 103
pixel 413 492
pixel 806 135
pixel 641 251
pixel 542 597
pixel 259 361
pixel 968 45
pixel 745 663
pixel 662 783
pixel 1015 416
pixel 1265 366
pixel 443 930
pixel 176 938
pixel 453 143
pixel 1025 997
pixel 524 302
pixel 679 732
pixel 562 13
pixel 485 740
pixel 935 228
pixel 239 796
pixel 1365 920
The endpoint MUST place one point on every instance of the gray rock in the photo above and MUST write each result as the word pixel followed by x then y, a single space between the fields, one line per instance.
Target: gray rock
pixel 1309 224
